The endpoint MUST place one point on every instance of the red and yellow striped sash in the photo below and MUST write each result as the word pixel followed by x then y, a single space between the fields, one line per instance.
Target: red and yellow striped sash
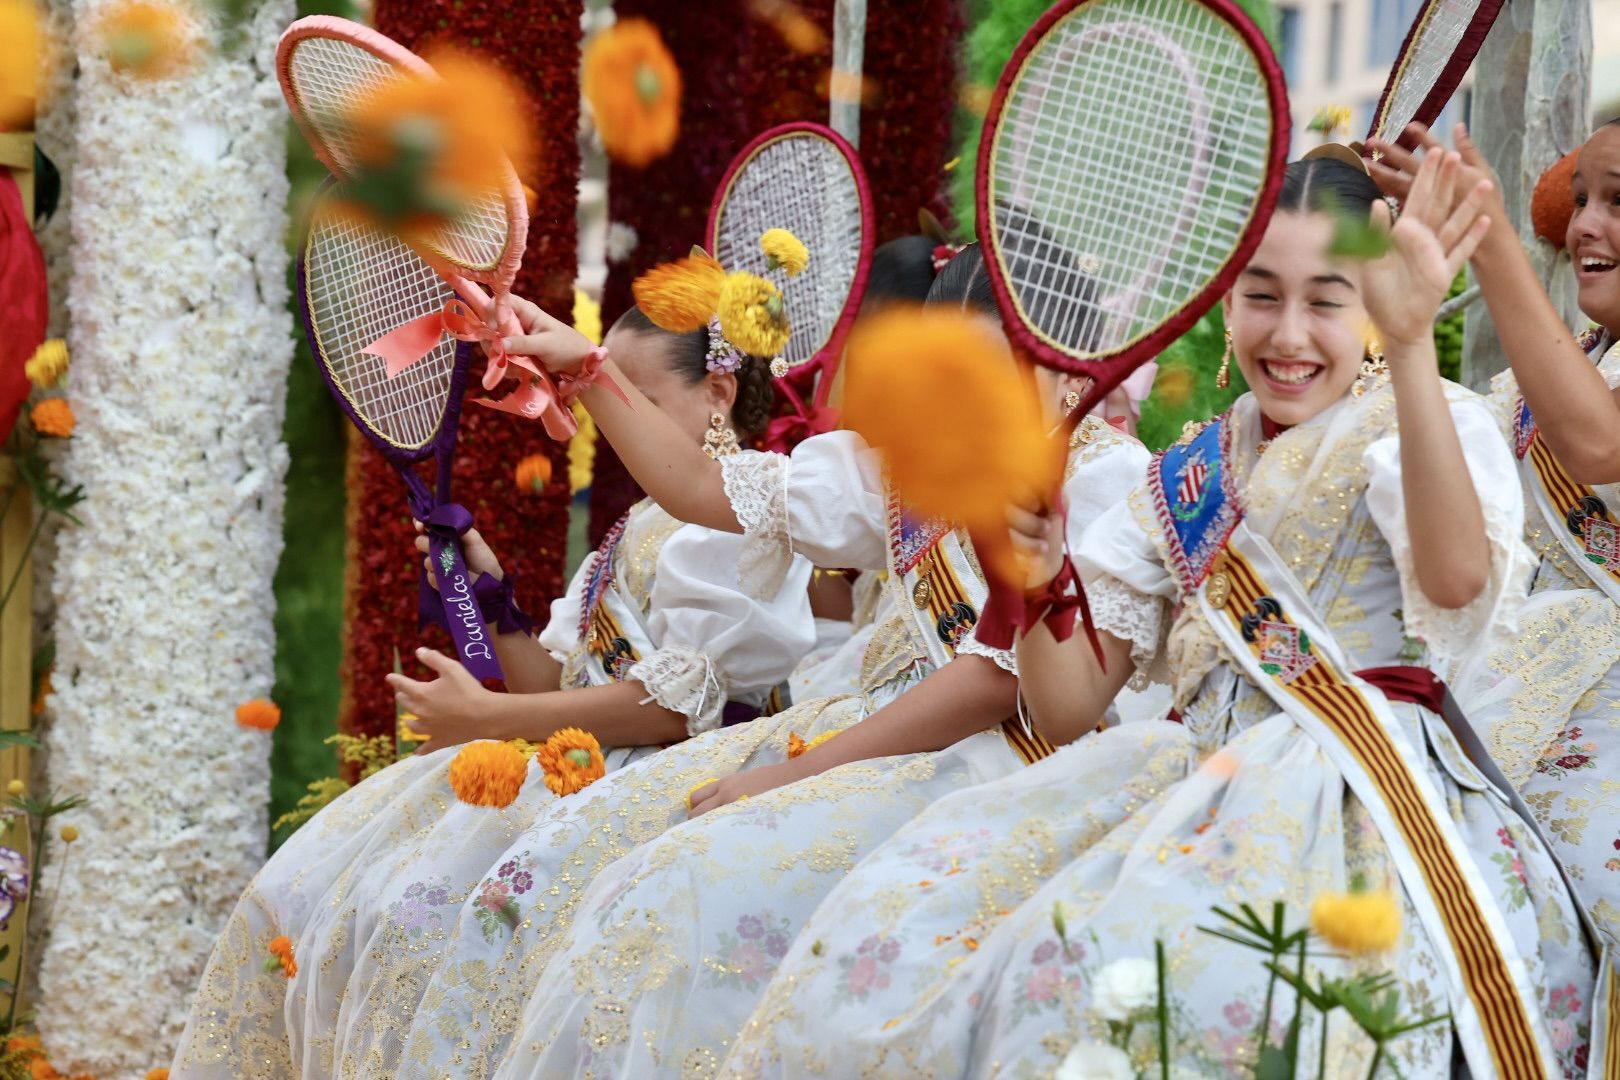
pixel 1563 492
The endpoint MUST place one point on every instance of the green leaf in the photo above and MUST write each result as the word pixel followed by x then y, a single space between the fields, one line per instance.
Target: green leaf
pixel 18 738
pixel 1274 1065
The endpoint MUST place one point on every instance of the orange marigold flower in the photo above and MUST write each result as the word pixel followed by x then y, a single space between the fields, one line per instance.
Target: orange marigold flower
pixel 45 691
pixel 53 417
pixel 572 760
pixel 534 473
pixel 19 64
pixel 150 39
pixel 281 955
pixel 683 295
pixel 488 773
pixel 157 1074
pixel 634 90
pixel 258 715
pixel 41 1069
pixel 796 745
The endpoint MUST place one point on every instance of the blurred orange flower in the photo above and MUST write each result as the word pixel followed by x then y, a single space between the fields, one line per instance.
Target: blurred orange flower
pixel 534 473
pixel 150 39
pixel 258 715
pixel 53 417
pixel 1174 386
pixel 633 88
pixel 572 760
pixel 488 773
pixel 683 295
pixel 19 64
pixel 797 30
pixel 281 955
pixel 157 1074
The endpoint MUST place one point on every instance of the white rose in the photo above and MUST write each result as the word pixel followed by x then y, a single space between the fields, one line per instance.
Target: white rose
pixel 1124 988
pixel 1095 1061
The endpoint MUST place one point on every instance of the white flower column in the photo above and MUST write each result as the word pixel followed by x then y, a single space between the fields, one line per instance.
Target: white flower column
pixel 181 341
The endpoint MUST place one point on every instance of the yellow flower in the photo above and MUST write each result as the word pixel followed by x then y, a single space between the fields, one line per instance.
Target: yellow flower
pixel 587 316
pixel 150 39
pixel 681 296
pixel 534 473
pixel 405 732
pixel 53 417
pixel 16 787
pixel 1357 922
pixel 48 364
pixel 69 833
pixel 784 250
pixel 581 451
pixel 1330 119
pixel 572 759
pixel 258 715
pixel 752 315
pixel 633 88
pixel 19 64
pixel 488 773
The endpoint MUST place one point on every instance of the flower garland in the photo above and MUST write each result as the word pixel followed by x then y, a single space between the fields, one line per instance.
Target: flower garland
pixel 528 530
pixel 164 601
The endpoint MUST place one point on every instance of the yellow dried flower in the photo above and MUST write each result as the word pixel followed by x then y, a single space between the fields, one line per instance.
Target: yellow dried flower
pixel 784 250
pixel 752 315
pixel 1330 119
pixel 1357 922
pixel 48 364
pixel 69 833
pixel 680 296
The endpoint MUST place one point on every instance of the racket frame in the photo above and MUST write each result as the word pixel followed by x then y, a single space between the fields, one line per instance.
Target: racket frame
pixel 1450 77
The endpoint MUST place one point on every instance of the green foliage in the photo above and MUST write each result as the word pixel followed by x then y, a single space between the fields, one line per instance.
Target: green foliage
pixel 1448 336
pixel 320 793
pixel 1185 387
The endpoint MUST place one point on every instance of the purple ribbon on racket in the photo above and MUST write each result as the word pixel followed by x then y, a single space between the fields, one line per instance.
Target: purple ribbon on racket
pixel 456 606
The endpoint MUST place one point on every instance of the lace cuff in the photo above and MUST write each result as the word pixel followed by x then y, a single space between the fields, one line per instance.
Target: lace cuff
pixel 1005 659
pixel 1130 616
pixel 756 485
pixel 683 681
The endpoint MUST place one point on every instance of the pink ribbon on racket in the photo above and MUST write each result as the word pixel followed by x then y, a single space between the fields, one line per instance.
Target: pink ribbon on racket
pixel 408 343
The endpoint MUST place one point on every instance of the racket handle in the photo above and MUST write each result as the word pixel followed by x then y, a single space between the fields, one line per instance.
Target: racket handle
pixel 475 643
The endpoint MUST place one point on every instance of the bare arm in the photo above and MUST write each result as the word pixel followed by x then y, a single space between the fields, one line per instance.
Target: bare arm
pixel 1579 415
pixel 1065 691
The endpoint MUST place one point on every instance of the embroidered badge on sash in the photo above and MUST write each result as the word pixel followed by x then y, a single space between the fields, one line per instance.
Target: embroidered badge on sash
pixel 1601 540
pixel 1284 650
pixel 601 575
pixel 1194 502
pixel 910 539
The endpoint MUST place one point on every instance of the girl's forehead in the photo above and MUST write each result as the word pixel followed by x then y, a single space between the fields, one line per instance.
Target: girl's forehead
pixel 1600 157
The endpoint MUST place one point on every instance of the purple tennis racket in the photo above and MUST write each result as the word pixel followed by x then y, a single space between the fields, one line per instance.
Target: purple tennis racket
pixel 1444 39
pixel 356 284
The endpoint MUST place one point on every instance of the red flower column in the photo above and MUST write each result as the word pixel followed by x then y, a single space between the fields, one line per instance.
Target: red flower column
pixel 528 531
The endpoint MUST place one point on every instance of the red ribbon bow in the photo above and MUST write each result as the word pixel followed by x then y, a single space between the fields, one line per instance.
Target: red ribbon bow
pixel 785 432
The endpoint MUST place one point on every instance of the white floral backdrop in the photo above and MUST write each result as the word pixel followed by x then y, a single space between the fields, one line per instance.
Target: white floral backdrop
pixel 181 341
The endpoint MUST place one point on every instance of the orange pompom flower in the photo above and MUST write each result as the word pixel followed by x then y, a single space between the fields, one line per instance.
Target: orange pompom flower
pixel 633 88
pixel 281 956
pixel 258 715
pixel 157 1074
pixel 683 295
pixel 488 773
pixel 53 417
pixel 1552 203
pixel 534 473
pixel 149 39
pixel 19 64
pixel 959 424
pixel 797 745
pixel 572 760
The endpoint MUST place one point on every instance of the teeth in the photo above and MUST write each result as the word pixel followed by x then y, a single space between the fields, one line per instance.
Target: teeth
pixel 1291 373
pixel 1596 264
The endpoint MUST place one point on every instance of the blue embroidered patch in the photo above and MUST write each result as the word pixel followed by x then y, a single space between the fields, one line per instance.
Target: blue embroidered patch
pixel 1191 494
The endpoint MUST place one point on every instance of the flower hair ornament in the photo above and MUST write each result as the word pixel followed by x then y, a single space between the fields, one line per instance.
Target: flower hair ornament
pixel 944 249
pixel 744 313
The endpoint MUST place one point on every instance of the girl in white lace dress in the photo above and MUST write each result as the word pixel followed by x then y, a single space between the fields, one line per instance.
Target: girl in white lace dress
pixel 1289 566
pixel 654 641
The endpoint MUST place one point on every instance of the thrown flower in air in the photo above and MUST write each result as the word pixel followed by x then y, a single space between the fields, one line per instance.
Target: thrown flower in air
pixel 633 87
pixel 798 745
pixel 53 417
pixel 533 473
pixel 48 364
pixel 796 28
pixel 13 882
pixel 1330 119
pixel 281 956
pixel 753 315
pixel 19 64
pixel 784 250
pixel 572 760
pixel 488 773
pixel 683 295
pixel 1357 922
pixel 258 715
pixel 149 39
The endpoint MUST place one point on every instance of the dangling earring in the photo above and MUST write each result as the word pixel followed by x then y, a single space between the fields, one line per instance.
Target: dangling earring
pixel 1374 370
pixel 1223 374
pixel 719 441
pixel 1071 402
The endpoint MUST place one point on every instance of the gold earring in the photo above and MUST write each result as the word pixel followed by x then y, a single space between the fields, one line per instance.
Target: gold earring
pixel 1223 374
pixel 720 440
pixel 1071 402
pixel 1374 370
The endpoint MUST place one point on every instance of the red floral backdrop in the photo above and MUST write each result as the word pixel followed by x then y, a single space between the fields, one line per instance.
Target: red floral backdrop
pixel 529 532
pixel 742 78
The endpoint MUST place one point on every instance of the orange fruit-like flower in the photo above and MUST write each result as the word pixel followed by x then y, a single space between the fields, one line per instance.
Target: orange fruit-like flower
pixel 258 715
pixel 157 1074
pixel 634 90
pixel 53 417
pixel 150 39
pixel 281 954
pixel 796 744
pixel 1552 203
pixel 683 295
pixel 572 759
pixel 534 473
pixel 488 773
pixel 19 64
pixel 45 691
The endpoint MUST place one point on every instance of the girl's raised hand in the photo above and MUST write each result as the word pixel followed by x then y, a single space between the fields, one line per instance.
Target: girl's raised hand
pixel 1438 230
pixel 1396 167
pixel 558 346
pixel 1037 539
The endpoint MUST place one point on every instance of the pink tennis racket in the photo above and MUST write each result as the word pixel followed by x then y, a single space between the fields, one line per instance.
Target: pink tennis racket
pixel 1443 41
pixel 807 179
pixel 325 64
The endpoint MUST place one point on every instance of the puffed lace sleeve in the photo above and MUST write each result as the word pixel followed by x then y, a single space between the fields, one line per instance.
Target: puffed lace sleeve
pixel 561 634
pixel 715 641
pixel 1127 586
pixel 824 501
pixel 1450 633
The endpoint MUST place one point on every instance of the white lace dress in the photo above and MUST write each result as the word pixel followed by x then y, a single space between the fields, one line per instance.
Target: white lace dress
pixel 372 881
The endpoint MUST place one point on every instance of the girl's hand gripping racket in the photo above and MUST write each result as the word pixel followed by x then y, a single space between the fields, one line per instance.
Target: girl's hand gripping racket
pixel 1443 41
pixel 807 179
pixel 355 285
pixel 1130 161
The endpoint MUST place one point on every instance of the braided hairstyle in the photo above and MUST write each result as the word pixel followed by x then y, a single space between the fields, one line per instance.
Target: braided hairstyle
pixel 689 358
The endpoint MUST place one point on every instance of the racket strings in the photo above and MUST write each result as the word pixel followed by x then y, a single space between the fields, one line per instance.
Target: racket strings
pixel 1439 31
pixel 360 285
pixel 328 75
pixel 1137 197
pixel 804 184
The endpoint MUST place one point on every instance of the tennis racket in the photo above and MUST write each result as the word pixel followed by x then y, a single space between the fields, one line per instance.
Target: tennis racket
pixel 1131 157
pixel 356 284
pixel 807 179
pixel 325 64
pixel 1444 39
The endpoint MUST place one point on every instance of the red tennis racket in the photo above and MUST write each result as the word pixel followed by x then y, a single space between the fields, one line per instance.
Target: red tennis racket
pixel 1443 41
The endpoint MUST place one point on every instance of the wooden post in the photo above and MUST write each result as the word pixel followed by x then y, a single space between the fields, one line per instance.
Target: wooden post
pixel 1530 112
pixel 849 60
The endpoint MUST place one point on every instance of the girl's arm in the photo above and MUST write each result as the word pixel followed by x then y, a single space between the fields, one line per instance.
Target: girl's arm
pixel 1579 415
pixel 1433 239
